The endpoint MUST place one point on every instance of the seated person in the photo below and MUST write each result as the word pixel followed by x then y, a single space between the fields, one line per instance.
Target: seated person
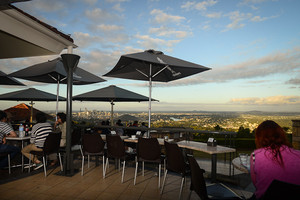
pixel 274 158
pixel 105 131
pixel 59 126
pixel 119 131
pixel 39 133
pixel 6 131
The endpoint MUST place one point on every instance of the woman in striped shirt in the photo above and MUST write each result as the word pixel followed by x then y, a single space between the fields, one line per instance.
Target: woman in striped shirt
pixel 39 133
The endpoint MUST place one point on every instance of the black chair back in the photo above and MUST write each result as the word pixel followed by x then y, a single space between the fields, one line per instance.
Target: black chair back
pixel 197 179
pixel 52 143
pixel 148 149
pixel 281 190
pixel 175 159
pixel 76 136
pixel 115 146
pixel 92 143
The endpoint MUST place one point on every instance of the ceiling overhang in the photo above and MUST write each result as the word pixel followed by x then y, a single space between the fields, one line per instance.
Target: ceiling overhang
pixel 22 35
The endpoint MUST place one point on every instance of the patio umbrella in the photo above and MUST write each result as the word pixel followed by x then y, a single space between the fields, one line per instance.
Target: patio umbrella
pixel 112 94
pixel 53 71
pixel 31 95
pixel 22 112
pixel 6 80
pixel 152 65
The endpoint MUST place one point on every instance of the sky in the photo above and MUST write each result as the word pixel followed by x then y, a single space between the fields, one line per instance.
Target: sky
pixel 251 46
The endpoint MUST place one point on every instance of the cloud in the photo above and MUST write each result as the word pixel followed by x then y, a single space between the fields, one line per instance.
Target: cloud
pixel 293 81
pixel 109 28
pixel 201 6
pixel 148 42
pixel 168 32
pixel 118 7
pixel 99 15
pixel 49 6
pixel 163 18
pixel 276 63
pixel 104 39
pixel 273 100
pixel 236 20
pixel 260 19
pixel 213 15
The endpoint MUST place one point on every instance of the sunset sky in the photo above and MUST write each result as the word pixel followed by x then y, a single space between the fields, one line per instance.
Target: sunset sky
pixel 252 46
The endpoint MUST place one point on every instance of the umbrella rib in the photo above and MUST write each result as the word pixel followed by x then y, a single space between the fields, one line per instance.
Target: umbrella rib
pixel 52 77
pixel 160 71
pixel 142 72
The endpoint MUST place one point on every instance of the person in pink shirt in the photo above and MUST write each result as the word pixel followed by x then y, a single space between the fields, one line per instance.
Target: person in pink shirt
pixel 274 158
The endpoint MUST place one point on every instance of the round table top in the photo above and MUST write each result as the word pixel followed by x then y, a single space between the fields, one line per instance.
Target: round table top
pixel 237 164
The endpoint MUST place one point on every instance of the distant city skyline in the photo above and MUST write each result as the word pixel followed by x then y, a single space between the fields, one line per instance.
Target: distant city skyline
pixel 252 46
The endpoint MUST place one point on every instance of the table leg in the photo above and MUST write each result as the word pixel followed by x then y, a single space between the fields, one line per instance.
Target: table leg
pixel 213 167
pixel 22 156
pixel 230 161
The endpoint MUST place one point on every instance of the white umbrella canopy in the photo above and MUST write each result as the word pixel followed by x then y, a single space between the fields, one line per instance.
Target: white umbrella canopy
pixel 111 94
pixel 152 65
pixel 53 71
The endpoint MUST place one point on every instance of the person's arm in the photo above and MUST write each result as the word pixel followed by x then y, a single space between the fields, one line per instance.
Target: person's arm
pixel 55 125
pixel 12 134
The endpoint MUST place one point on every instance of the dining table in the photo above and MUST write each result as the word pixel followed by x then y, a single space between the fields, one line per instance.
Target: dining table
pixel 199 146
pixel 22 140
pixel 212 150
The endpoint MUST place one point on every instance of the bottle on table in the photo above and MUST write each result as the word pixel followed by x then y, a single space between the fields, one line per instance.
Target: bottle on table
pixel 26 130
pixel 21 131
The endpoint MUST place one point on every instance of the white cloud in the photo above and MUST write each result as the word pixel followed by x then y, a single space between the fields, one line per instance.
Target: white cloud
pixel 163 18
pixel 109 38
pixel 109 28
pixel 100 15
pixel 236 19
pixel 205 27
pixel 154 43
pixel 118 7
pixel 214 15
pixel 277 63
pixel 168 32
pixel 260 19
pixel 201 6
pixel 273 100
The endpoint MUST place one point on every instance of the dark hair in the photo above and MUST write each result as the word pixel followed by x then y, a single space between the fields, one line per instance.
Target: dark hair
pixel 41 117
pixel 270 135
pixel 119 123
pixel 2 114
pixel 62 116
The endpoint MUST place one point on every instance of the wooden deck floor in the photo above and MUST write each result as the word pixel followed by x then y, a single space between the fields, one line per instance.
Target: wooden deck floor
pixel 93 186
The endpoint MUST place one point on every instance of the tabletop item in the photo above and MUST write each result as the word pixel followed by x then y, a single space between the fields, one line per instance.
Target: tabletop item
pixel 212 142
pixel 21 131
pixel 133 136
pixel 244 159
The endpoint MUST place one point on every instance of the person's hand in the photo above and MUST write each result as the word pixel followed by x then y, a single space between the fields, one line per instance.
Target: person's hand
pixel 4 140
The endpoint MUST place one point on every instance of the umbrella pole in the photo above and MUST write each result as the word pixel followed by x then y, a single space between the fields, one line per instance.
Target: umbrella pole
pixel 31 111
pixel 57 93
pixel 150 93
pixel 112 113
